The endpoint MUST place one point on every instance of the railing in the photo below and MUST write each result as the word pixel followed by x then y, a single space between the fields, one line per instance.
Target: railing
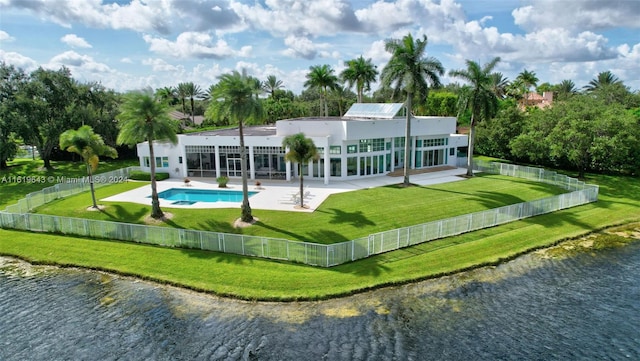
pixel 17 217
pixel 68 187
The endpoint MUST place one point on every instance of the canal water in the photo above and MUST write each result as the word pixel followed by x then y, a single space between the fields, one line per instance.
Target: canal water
pixel 538 307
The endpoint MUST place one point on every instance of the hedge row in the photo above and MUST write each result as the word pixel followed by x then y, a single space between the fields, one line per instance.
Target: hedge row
pixel 146 176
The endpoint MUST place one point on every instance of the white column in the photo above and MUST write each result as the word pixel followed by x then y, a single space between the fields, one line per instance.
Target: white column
pixel 327 164
pixel 252 172
pixel 288 167
pixel 218 165
pixel 393 155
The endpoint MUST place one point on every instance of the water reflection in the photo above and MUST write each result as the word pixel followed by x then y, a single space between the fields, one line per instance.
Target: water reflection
pixel 586 306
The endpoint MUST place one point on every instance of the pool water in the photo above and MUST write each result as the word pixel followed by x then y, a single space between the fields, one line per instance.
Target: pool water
pixel 190 196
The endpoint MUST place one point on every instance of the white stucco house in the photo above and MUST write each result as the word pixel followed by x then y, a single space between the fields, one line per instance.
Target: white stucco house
pixel 367 141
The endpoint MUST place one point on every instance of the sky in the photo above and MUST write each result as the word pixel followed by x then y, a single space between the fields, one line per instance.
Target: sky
pixel 134 44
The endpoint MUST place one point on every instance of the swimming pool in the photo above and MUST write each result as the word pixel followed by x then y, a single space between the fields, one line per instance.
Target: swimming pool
pixel 189 196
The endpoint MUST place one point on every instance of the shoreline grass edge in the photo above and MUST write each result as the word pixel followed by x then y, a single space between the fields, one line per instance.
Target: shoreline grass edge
pixel 499 259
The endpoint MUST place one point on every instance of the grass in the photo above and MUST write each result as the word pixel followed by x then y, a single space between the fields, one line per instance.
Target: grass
pixel 342 217
pixel 252 278
pixel 11 190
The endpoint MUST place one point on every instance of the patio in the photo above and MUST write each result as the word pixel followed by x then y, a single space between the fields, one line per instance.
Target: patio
pixel 279 195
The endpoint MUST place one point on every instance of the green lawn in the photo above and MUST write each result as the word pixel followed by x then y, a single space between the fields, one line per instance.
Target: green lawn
pixel 252 278
pixel 342 217
pixel 11 190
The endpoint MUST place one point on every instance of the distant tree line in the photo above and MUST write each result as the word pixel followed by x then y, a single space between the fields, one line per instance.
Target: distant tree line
pixel 590 129
pixel 596 130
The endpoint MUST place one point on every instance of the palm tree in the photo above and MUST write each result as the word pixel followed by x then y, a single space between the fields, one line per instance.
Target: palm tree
pixel 271 85
pixel 301 151
pixel 478 97
pixel 499 85
pixel 89 146
pixel 603 79
pixel 234 96
pixel 256 87
pixel 342 96
pixel 192 91
pixel 182 92
pixel 167 94
pixel 208 94
pixel 144 118
pixel 565 89
pixel 322 78
pixel 408 71
pixel 527 79
pixel 360 72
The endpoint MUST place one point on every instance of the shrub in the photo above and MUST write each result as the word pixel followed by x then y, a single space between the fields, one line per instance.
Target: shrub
pixel 222 181
pixel 146 176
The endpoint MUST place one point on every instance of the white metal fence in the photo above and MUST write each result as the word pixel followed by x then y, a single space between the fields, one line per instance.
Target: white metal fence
pixel 68 187
pixel 18 217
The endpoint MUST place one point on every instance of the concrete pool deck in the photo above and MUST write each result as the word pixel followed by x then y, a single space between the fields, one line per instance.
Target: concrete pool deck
pixel 279 195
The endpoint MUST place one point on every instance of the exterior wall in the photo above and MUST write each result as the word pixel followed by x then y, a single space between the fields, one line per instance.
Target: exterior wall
pixel 331 127
pixel 160 150
pixel 432 137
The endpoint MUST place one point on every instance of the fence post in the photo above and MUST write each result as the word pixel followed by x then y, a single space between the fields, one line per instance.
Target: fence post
pixel 353 250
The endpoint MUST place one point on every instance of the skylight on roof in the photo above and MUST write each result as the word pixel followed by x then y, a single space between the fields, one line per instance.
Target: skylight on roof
pixel 374 110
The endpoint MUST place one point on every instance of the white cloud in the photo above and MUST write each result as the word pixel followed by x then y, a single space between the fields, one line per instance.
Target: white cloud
pixel 297 17
pixel 137 15
pixel 18 60
pixel 161 65
pixel 75 41
pixel 578 14
pixel 4 36
pixel 300 47
pixel 377 52
pixel 75 61
pixel 195 45
pixel 126 60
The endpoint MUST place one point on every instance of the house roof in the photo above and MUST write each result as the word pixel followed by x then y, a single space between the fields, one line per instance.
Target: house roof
pixel 198 119
pixel 374 110
pixel 254 131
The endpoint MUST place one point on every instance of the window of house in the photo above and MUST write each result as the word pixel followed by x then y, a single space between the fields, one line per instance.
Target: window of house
pixel 336 167
pixel 371 145
pixel 335 149
pixel 352 166
pixel 398 142
pixel 162 162
pixel 352 149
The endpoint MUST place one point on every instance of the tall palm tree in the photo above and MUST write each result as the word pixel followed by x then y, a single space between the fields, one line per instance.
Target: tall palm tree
pixel 322 77
pixel 409 72
pixel 478 97
pixel 301 151
pixel 360 72
pixel 271 85
pixel 90 147
pixel 144 118
pixel 527 79
pixel 603 79
pixel 235 96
